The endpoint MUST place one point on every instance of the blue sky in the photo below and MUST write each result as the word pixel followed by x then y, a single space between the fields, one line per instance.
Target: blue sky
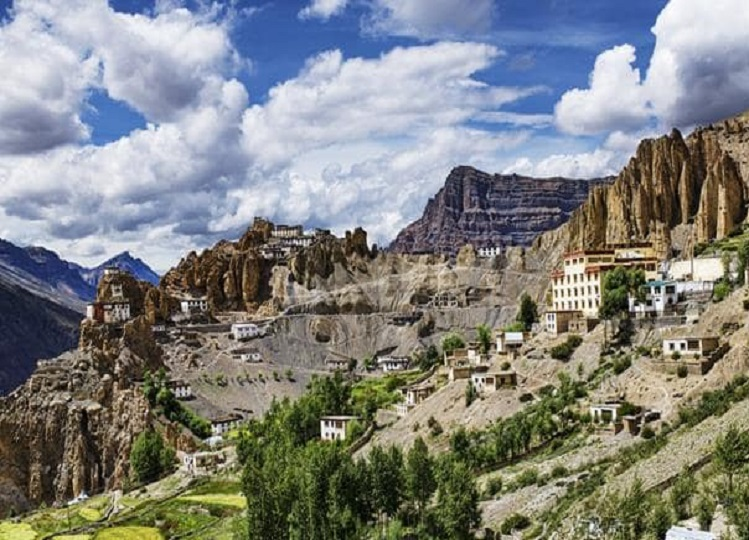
pixel 163 126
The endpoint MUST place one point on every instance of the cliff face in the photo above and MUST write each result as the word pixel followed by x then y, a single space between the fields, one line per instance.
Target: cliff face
pixel 234 276
pixel 489 210
pixel 70 427
pixel 699 182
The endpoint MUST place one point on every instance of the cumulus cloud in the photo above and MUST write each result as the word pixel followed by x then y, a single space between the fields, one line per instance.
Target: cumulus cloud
pixel 345 134
pixel 698 73
pixel 427 19
pixel 323 9
pixel 404 91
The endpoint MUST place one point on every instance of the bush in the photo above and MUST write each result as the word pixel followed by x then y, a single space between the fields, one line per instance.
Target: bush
pixel 745 303
pixel 721 291
pixel 493 487
pixel 516 522
pixel 471 394
pixel 621 364
pixel 682 372
pixel 505 366
pixel 643 350
pixel 564 351
pixel 676 355
pixel 435 428
pixel 647 433
pixel 560 471
pixel 525 398
pixel 574 341
pixel 527 478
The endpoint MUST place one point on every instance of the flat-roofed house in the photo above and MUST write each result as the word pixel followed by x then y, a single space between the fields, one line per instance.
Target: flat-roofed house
pixel 245 330
pixel 690 346
pixel 333 428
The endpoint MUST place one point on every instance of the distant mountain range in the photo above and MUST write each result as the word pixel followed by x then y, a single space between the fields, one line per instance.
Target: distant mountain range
pixel 42 301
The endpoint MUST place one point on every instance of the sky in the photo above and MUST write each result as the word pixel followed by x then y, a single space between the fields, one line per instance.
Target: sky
pixel 163 126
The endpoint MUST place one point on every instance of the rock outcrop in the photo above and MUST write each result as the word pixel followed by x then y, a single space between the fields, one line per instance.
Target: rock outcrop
pixel 491 210
pixel 70 427
pixel 235 276
pixel 700 182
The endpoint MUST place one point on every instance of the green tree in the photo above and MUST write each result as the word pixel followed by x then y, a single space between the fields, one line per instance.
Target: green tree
pixel 150 457
pixel 386 475
pixel 743 260
pixel 484 335
pixel 471 394
pixel 681 495
pixel 730 454
pixel 618 284
pixel 457 500
pixel 726 258
pixel 452 341
pixel 420 479
pixel 528 312
pixel 704 511
pixel 659 519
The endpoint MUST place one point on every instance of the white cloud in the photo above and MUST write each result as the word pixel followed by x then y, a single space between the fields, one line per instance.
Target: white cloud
pixel 404 91
pixel 427 19
pixel 349 141
pixel 615 97
pixel 323 9
pixel 698 73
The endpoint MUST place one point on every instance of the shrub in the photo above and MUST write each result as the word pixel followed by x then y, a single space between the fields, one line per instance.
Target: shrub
pixel 721 291
pixel 505 366
pixel 561 352
pixel 525 398
pixel 676 355
pixel 527 478
pixel 682 372
pixel 560 471
pixel 471 394
pixel 515 522
pixel 643 350
pixel 574 341
pixel 647 433
pixel 435 428
pixel 745 303
pixel 493 487
pixel 621 364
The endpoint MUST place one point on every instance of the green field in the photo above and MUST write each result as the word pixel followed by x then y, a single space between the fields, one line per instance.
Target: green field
pixel 129 533
pixel 16 531
pixel 235 500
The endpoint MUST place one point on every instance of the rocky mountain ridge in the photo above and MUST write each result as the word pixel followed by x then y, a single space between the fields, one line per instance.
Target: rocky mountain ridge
pixel 487 210
pixel 697 185
pixel 124 261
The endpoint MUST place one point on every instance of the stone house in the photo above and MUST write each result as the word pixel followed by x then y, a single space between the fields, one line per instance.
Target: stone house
pixel 222 424
pixel 245 330
pixel 180 389
pixel 389 364
pixel 694 347
pixel 334 428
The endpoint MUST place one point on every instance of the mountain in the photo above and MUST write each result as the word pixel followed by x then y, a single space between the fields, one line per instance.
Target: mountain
pixel 674 191
pixel 487 210
pixel 44 273
pixel 31 328
pixel 124 261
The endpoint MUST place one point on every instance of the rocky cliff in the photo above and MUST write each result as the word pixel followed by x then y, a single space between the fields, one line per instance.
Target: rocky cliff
pixel 124 261
pixel 234 276
pixel 491 210
pixel 698 183
pixel 70 427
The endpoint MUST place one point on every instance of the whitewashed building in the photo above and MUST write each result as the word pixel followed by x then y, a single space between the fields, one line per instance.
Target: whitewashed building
pixel 509 341
pixel 333 428
pixel 684 533
pixel 194 305
pixel 180 389
pixel 245 330
pixel 690 346
pixel 659 297
pixel 389 364
pixel 489 252
pixel 109 312
pixel 223 424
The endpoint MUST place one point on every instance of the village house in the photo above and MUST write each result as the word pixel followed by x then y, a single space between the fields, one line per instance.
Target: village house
pixel 111 271
pixel 508 342
pixel 413 396
pixel 489 252
pixel 247 354
pixel 336 363
pixel 334 428
pixel 473 351
pixel 459 372
pixel 113 312
pixel 223 424
pixel 487 382
pixel 578 285
pixel 180 389
pixel 683 533
pixel 193 305
pixel 389 364
pixel 685 347
pixel 659 297
pixel 458 357
pixel 245 330
pixel 203 462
